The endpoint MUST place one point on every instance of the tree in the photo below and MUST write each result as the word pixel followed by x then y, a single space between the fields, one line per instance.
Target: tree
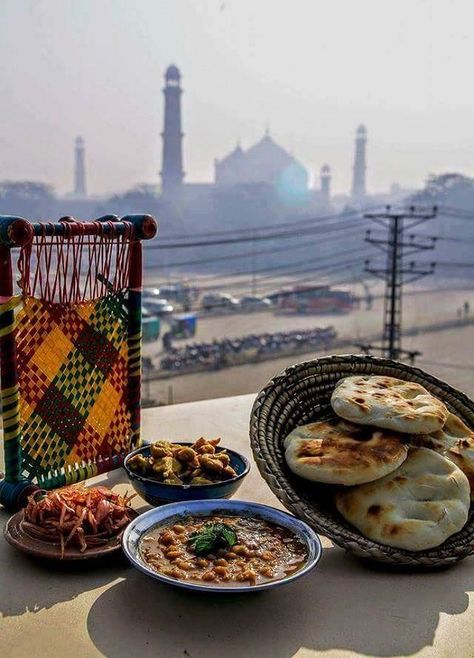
pixel 26 199
pixel 450 189
pixel 139 199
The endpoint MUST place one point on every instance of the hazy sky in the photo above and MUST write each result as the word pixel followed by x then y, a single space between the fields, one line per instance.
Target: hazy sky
pixel 312 69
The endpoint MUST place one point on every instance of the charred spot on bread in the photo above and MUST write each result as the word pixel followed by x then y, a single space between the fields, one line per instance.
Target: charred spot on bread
pixel 374 510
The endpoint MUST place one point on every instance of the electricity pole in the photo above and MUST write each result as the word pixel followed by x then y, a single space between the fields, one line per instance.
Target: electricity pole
pixel 396 272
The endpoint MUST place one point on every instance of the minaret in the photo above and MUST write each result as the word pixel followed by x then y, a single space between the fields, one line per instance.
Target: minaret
pixel 326 184
pixel 79 168
pixel 172 173
pixel 360 167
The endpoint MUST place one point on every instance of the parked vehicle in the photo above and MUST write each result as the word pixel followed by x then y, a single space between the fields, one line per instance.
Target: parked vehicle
pixel 158 306
pixel 254 303
pixel 184 326
pixel 314 299
pixel 226 352
pixel 219 300
pixel 177 292
pixel 151 326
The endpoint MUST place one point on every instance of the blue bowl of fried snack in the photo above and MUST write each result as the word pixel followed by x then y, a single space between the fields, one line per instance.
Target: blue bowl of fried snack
pixel 167 472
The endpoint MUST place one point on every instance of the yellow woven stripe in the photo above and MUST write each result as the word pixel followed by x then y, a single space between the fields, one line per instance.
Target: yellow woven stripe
pixel 13 420
pixel 12 303
pixel 7 330
pixel 9 395
pixel 8 435
pixel 11 414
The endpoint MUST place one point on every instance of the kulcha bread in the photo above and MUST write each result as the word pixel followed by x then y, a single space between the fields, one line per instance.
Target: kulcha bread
pixel 416 507
pixel 462 454
pixel 389 403
pixel 453 430
pixel 338 452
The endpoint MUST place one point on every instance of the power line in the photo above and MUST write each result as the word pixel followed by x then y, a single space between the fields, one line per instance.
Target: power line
pixel 272 236
pixel 243 284
pixel 280 225
pixel 246 254
pixel 276 268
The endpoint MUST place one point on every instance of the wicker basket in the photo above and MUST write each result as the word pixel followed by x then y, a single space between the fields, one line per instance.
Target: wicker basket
pixel 301 394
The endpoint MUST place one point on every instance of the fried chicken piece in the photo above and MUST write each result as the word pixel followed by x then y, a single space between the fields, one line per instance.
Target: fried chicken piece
pixel 161 449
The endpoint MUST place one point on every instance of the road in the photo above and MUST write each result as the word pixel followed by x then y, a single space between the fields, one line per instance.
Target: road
pixel 447 347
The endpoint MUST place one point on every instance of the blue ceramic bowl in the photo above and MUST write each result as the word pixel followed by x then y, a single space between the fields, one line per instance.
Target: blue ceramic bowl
pixel 158 493
pixel 169 514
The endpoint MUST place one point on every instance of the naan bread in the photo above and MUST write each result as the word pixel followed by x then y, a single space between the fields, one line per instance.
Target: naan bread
pixel 389 403
pixel 416 507
pixel 444 439
pixel 338 452
pixel 462 454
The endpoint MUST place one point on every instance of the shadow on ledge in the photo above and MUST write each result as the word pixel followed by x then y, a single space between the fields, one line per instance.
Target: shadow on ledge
pixel 340 605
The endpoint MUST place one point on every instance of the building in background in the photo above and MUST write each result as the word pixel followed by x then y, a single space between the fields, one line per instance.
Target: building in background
pixel 252 187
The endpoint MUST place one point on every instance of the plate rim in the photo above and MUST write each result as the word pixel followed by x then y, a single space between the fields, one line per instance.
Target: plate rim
pixel 74 555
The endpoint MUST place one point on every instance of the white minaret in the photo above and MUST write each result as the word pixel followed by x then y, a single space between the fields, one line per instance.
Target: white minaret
pixel 360 165
pixel 326 184
pixel 79 168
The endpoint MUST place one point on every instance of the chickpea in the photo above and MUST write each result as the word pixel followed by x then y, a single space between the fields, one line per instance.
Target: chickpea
pixel 183 564
pixel 220 571
pixel 174 554
pixel 179 529
pixel 267 572
pixel 239 549
pixel 202 562
pixel 222 563
pixel 230 555
pixel 167 538
pixel 267 556
pixel 250 575
pixel 209 575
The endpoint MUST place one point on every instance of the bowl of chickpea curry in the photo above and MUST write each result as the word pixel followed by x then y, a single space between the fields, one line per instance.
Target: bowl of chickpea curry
pixel 165 472
pixel 221 546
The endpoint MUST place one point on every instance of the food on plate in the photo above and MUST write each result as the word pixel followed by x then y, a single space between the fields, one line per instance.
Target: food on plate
pixel 338 452
pixel 416 507
pixel 223 549
pixel 388 403
pixel 453 430
pixel 173 463
pixel 462 454
pixel 76 515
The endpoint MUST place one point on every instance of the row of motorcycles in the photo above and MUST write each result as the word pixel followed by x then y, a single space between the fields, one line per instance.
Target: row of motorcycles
pixel 226 352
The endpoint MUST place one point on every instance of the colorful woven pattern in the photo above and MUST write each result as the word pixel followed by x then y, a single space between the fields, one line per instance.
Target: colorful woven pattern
pixel 73 373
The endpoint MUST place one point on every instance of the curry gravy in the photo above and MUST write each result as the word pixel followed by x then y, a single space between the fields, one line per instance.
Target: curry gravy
pixel 263 552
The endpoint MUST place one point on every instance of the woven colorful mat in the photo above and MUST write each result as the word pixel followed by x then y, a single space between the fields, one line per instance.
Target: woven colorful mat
pixel 72 365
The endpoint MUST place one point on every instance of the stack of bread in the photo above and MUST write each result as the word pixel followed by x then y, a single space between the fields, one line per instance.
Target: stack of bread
pixel 404 464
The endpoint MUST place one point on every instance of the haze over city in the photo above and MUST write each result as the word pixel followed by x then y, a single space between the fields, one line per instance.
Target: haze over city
pixel 311 71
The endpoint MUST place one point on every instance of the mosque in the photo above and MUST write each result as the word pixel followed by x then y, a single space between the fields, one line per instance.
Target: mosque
pixel 252 187
pixel 264 176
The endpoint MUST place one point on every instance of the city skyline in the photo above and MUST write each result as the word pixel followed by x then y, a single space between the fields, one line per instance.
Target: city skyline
pixel 96 70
